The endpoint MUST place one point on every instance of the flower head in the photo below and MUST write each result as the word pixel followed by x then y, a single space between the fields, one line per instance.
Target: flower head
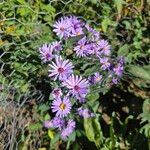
pixel 68 129
pixel 84 112
pixel 56 46
pixel 94 35
pixel 93 49
pixel 78 87
pixel 62 28
pixel 105 63
pixel 62 107
pixel 82 48
pixel 121 60
pixel 118 69
pixel 114 80
pixel 60 69
pixel 48 124
pixel 104 46
pixel 56 93
pixel 75 26
pixel 58 123
pixel 46 52
pixel 96 78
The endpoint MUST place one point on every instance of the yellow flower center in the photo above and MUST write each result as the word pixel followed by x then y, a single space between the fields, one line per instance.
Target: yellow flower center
pixel 82 47
pixel 62 106
pixel 78 33
pixel 98 79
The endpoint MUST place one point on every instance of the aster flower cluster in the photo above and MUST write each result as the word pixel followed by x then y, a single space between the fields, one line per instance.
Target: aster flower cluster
pixel 69 94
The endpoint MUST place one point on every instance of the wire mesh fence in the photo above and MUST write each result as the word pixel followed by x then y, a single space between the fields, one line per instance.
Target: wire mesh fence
pixel 25 25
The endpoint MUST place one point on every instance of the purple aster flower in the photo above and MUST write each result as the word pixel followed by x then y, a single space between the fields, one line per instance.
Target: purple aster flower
pixel 121 61
pixel 48 124
pixel 71 124
pixel 93 49
pixel 81 99
pixel 114 80
pixel 56 46
pixel 61 69
pixel 104 46
pixel 68 130
pixel 78 87
pixel 62 28
pixel 96 78
pixel 46 52
pixel 58 123
pixel 84 112
pixel 105 63
pixel 76 26
pixel 118 70
pixel 57 93
pixel 62 107
pixel 82 49
pixel 94 35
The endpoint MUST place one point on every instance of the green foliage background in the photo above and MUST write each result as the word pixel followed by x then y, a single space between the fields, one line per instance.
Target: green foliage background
pixel 27 24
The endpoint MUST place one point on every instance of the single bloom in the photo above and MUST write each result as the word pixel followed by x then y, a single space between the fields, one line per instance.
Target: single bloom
pixel 81 98
pixel 96 78
pixel 118 69
pixel 93 35
pixel 75 26
pixel 56 46
pixel 105 63
pixel 62 28
pixel 114 80
pixel 68 129
pixel 82 49
pixel 60 69
pixel 78 87
pixel 46 52
pixel 48 124
pixel 57 93
pixel 93 49
pixel 61 106
pixel 121 60
pixel 85 112
pixel 71 124
pixel 58 122
pixel 104 47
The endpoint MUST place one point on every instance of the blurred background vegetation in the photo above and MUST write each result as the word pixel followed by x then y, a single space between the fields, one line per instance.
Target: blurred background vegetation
pixel 24 86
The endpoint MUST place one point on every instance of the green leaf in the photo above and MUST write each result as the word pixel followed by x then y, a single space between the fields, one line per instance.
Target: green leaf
pixel 127 24
pixel 146 106
pixel 92 96
pixel 72 137
pixel 139 71
pixel 93 131
pixel 146 130
pixel 47 117
pixel 94 1
pixel 75 146
pixel 105 23
pixel 25 87
pixel 53 141
pixel 124 50
pixel 35 127
pixel 119 5
pixel 51 134
pixel 90 70
pixel 43 108
pixel 24 11
pixel 21 1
